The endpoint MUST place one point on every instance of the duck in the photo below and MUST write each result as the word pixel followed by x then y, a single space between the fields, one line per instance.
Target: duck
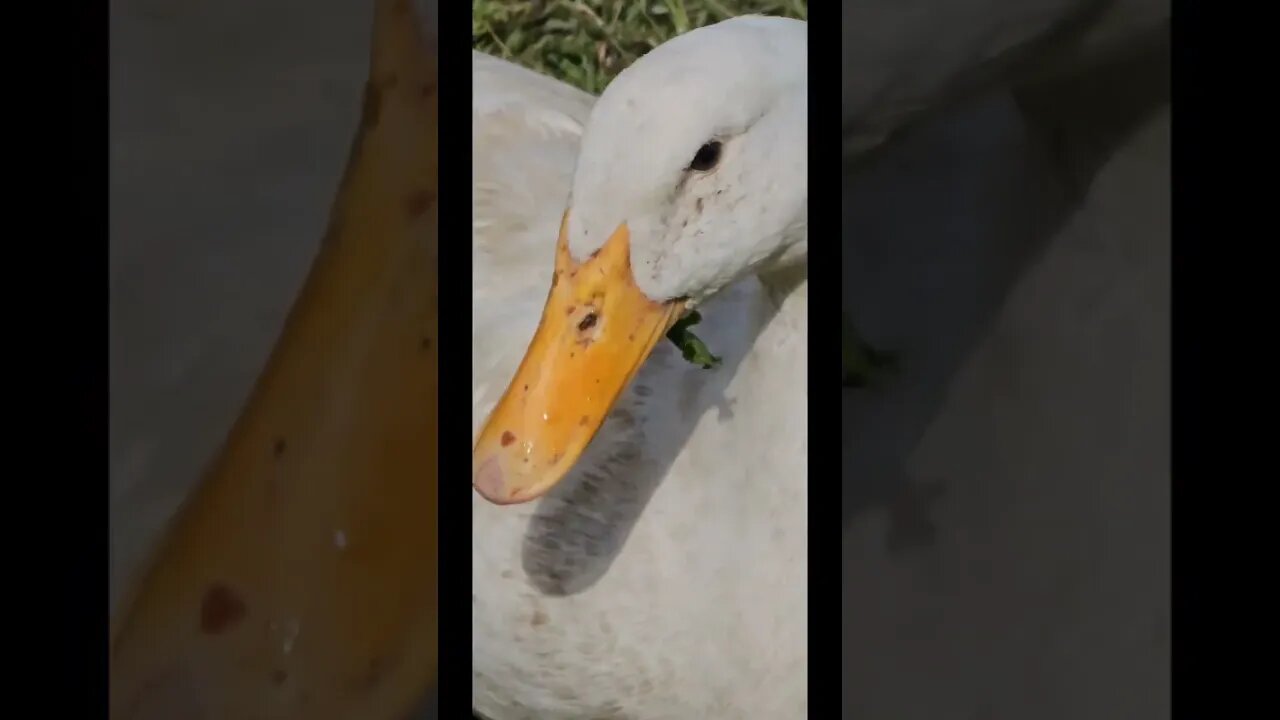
pixel 639 522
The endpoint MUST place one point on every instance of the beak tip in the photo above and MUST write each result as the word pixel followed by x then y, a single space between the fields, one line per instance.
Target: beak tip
pixel 488 480
pixel 491 482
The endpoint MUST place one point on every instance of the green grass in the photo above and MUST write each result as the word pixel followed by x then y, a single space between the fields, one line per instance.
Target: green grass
pixel 587 42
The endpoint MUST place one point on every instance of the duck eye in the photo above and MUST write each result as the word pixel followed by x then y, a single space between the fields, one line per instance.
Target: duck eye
pixel 707 157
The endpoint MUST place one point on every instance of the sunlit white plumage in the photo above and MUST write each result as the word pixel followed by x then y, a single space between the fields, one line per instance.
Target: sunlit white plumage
pixel 666 575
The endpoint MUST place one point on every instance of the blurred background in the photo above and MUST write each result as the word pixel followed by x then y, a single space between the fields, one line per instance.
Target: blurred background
pixel 231 123
pixel 1006 495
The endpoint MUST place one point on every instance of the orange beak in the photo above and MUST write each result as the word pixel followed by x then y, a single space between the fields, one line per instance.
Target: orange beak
pixel 597 329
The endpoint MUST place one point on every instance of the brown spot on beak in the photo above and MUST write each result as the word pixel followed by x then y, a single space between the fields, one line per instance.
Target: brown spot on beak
pixel 221 609
pixel 508 437
pixel 418 202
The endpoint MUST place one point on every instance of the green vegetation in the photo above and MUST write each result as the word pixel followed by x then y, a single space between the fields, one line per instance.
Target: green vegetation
pixel 587 42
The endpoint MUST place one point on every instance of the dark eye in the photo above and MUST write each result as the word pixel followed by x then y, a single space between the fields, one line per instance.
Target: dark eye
pixel 707 157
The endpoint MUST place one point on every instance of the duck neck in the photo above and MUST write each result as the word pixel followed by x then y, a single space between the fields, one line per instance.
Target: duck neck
pixel 788 288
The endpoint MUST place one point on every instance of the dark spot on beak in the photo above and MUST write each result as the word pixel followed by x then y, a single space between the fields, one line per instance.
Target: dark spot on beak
pixel 584 420
pixel 418 202
pixel 571 309
pixel 588 322
pixel 508 437
pixel 221 609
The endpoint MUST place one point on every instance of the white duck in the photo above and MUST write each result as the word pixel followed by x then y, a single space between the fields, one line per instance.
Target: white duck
pixel 664 572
